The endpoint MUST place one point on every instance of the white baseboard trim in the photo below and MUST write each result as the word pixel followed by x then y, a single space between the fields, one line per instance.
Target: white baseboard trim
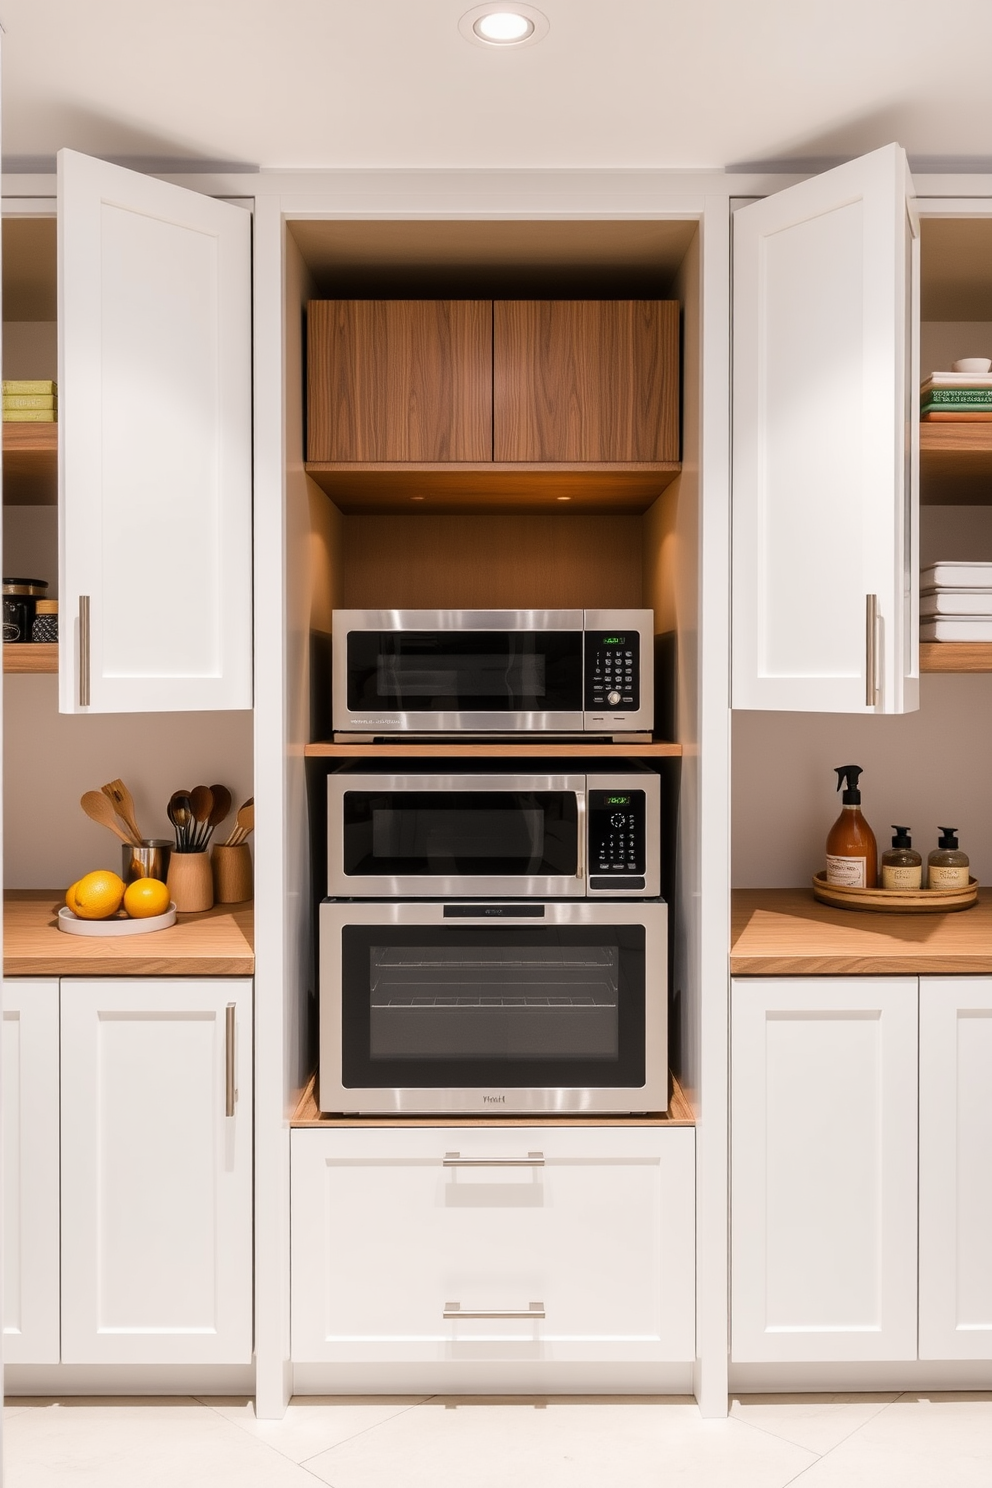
pixel 921 1374
pixel 128 1379
pixel 488 1378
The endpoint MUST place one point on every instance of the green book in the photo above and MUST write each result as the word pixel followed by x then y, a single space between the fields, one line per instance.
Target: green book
pixel 29 416
pixel 951 397
pixel 28 385
pixel 29 400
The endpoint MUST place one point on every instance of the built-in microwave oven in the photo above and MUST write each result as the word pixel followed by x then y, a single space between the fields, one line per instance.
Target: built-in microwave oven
pixel 544 836
pixel 493 1007
pixel 492 672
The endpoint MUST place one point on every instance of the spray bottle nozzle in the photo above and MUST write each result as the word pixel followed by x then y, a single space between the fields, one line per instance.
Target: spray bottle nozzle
pixel 848 777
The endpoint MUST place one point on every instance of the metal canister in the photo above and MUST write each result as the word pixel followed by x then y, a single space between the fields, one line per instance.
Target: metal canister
pixel 19 599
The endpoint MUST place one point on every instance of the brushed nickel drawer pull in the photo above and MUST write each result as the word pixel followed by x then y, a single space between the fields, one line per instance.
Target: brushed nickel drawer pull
pixel 231 1094
pixel 454 1310
pixel 84 650
pixel 871 650
pixel 455 1160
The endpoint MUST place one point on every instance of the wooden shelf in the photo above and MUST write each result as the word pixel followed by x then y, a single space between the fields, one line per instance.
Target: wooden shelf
pixel 956 464
pixel 308 1114
pixel 786 932
pixel 525 749
pixel 30 464
pixel 491 487
pixel 216 943
pixel 956 656
pixel 31 656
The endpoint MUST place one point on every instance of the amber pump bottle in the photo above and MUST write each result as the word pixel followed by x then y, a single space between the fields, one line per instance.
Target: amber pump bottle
pixel 852 852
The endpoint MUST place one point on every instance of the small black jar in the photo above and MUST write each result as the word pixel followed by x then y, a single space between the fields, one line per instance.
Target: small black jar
pixel 19 599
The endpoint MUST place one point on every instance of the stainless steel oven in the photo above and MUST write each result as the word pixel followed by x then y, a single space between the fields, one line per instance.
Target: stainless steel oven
pixel 526 1006
pixel 432 835
pixel 492 671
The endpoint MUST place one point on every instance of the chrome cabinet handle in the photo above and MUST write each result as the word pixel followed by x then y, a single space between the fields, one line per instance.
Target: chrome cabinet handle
pixel 230 1094
pixel 455 1160
pixel 871 650
pixel 84 650
pixel 456 1310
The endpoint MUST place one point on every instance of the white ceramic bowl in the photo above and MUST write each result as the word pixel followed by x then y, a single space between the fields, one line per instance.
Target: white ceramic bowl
pixel 973 364
pixel 72 925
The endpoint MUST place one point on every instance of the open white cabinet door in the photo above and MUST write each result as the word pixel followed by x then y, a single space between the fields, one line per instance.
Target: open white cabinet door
pixel 154 444
pixel 826 442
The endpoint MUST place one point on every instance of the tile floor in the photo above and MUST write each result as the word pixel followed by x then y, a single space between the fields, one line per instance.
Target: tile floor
pixel 819 1441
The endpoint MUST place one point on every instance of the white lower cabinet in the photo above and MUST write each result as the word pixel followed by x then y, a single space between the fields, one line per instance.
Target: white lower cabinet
pixel 511 1243
pixel 156 1170
pixel 956 1168
pixel 824 1169
pixel 31 1170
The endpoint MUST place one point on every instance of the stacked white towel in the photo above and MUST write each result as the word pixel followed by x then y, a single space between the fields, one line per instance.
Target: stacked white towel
pixel 956 602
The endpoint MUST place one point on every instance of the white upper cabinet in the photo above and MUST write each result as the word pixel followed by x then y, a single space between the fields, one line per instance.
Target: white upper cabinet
pixel 825 443
pixel 154 444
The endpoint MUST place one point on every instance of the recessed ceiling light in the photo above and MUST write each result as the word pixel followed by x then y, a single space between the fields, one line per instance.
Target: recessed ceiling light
pixel 504 25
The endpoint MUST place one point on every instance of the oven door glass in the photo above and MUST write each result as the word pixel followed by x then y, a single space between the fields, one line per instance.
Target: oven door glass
pixel 471 834
pixel 481 671
pixel 467 1007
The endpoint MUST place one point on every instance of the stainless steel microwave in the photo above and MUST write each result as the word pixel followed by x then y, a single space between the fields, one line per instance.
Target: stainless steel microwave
pixel 491 1007
pixel 544 836
pixel 492 671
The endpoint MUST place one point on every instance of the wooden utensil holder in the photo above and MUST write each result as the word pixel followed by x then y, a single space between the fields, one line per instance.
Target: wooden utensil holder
pixel 232 873
pixel 190 882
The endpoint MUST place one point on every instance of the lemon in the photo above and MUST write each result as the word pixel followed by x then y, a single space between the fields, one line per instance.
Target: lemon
pixel 70 896
pixel 97 895
pixel 145 897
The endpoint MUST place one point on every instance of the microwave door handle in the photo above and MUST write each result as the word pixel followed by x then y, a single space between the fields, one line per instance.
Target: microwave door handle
pixel 580 828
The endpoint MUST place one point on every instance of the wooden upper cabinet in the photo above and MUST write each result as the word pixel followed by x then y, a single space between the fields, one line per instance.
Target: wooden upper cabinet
pixel 586 380
pixel 393 380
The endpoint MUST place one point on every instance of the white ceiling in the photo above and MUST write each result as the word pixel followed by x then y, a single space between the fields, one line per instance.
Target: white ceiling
pixel 647 83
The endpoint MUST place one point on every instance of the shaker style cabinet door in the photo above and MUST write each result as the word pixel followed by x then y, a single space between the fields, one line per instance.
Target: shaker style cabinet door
pixel 156 1171
pixel 155 497
pixel 823 1169
pixel 30 1170
pixel 399 380
pixel 956 1168
pixel 826 443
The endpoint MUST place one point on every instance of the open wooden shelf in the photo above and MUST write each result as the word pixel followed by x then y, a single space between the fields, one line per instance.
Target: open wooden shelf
pixel 529 748
pixel 956 656
pixel 956 464
pixel 30 464
pixel 492 487
pixel 31 656
pixel 308 1114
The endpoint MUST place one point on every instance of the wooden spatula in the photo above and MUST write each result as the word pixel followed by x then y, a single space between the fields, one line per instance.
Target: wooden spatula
pixel 122 801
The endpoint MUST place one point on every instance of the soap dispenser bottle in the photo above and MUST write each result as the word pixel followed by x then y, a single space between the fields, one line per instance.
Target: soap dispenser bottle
pixel 852 852
pixel 902 865
pixel 947 865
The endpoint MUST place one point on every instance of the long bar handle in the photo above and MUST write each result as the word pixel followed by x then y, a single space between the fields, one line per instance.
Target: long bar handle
pixel 456 1310
pixel 580 835
pixel 455 1160
pixel 84 650
pixel 871 650
pixel 230 1093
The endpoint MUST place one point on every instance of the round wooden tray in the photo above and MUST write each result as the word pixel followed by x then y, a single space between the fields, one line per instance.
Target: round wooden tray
pixel 895 901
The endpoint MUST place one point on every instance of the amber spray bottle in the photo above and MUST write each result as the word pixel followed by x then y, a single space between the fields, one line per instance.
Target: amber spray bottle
pixel 852 852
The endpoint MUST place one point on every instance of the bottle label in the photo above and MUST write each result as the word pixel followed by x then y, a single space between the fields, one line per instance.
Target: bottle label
pixel 947 876
pixel 847 871
pixel 896 877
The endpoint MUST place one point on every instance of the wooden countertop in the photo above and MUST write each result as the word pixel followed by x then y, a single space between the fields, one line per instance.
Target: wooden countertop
pixel 786 932
pixel 217 943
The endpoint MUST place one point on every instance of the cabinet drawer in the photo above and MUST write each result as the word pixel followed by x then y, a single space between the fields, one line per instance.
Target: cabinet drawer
pixel 578 1244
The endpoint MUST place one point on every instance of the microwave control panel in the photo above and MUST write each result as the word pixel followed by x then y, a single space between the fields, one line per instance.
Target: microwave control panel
pixel 613 672
pixel 616 832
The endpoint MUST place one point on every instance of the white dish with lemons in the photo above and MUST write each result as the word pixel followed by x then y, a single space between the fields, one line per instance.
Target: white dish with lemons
pixel 73 925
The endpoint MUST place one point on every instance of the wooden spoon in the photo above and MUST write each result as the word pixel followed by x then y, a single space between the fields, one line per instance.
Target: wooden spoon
pixel 245 823
pixel 201 802
pixel 221 809
pixel 99 809
pixel 122 801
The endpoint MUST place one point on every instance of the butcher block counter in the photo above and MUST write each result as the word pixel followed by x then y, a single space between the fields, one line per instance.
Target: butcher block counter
pixel 218 942
pixel 786 932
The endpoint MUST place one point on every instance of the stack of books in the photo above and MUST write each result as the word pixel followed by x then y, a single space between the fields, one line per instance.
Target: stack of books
pixel 956 602
pixel 957 396
pixel 30 402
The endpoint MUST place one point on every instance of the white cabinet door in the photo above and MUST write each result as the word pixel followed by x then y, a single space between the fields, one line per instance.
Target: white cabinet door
pixel 156 1174
pixel 825 443
pixel 956 1168
pixel 824 1169
pixel 560 1244
pixel 154 444
pixel 31 1170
